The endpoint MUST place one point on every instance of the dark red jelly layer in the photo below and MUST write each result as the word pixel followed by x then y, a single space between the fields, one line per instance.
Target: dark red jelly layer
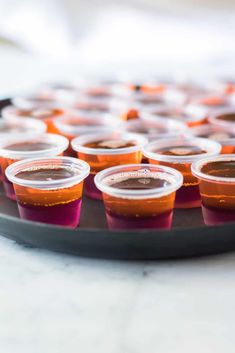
pixel 162 221
pixel 213 216
pixel 91 190
pixel 66 215
pixel 188 197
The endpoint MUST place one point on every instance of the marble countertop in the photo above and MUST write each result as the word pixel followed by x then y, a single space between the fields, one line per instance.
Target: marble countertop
pixel 54 303
pixel 57 303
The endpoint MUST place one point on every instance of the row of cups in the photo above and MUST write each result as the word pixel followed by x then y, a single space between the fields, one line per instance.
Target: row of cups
pixel 124 208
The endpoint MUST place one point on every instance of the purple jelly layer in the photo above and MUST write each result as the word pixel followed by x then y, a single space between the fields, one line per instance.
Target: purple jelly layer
pixel 188 197
pixel 162 221
pixel 67 215
pixel 213 216
pixel 91 190
pixel 9 189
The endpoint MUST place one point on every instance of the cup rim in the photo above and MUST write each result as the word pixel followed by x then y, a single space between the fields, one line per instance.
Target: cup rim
pixel 209 127
pixel 176 183
pixel 61 144
pixel 214 147
pixel 8 112
pixel 108 121
pixel 77 143
pixel 197 165
pixel 13 169
pixel 213 117
pixel 35 125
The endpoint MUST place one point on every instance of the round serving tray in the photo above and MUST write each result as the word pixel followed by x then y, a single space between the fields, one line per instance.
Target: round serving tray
pixel 188 237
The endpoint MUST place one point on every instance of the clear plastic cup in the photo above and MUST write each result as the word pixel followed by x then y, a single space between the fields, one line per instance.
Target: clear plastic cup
pixel 220 134
pixel 101 158
pixel 49 190
pixel 208 103
pixel 15 125
pixel 46 115
pixel 191 116
pixel 17 147
pixel 216 177
pixel 35 100
pixel 188 195
pixel 77 123
pixel 223 118
pixel 153 127
pixel 139 206
pixel 140 102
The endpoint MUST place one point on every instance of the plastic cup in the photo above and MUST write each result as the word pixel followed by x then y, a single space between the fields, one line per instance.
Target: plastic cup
pixel 154 127
pixel 224 118
pixel 188 195
pixel 15 125
pixel 217 192
pixel 44 114
pixel 208 103
pixel 49 199
pixel 139 102
pixel 220 134
pixel 36 100
pixel 132 208
pixel 78 123
pixel 102 158
pixel 54 145
pixel 191 116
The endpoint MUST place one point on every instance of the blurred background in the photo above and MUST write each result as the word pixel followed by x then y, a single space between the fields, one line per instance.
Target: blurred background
pixel 58 39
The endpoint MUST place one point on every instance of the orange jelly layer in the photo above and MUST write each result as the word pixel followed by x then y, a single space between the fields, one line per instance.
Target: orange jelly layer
pixel 99 162
pixel 218 194
pixel 39 197
pixel 139 208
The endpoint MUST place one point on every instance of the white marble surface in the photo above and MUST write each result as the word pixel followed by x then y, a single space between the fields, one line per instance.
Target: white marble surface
pixel 53 303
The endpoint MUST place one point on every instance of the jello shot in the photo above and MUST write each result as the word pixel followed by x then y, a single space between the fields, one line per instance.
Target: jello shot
pixel 190 116
pixel 224 118
pixel 36 100
pixel 77 123
pixel 49 190
pixel 15 125
pixel 155 127
pixel 216 177
pixel 220 134
pixel 22 146
pixel 209 103
pixel 139 196
pixel 180 153
pixel 141 102
pixel 106 149
pixel 46 115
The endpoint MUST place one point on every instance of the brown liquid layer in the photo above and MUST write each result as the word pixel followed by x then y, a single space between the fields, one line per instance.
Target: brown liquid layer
pixel 181 151
pixel 140 183
pixel 227 117
pixel 224 169
pixel 30 146
pixel 147 130
pixel 110 144
pixel 47 174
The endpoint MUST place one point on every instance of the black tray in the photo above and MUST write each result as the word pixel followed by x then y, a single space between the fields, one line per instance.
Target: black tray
pixel 188 237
